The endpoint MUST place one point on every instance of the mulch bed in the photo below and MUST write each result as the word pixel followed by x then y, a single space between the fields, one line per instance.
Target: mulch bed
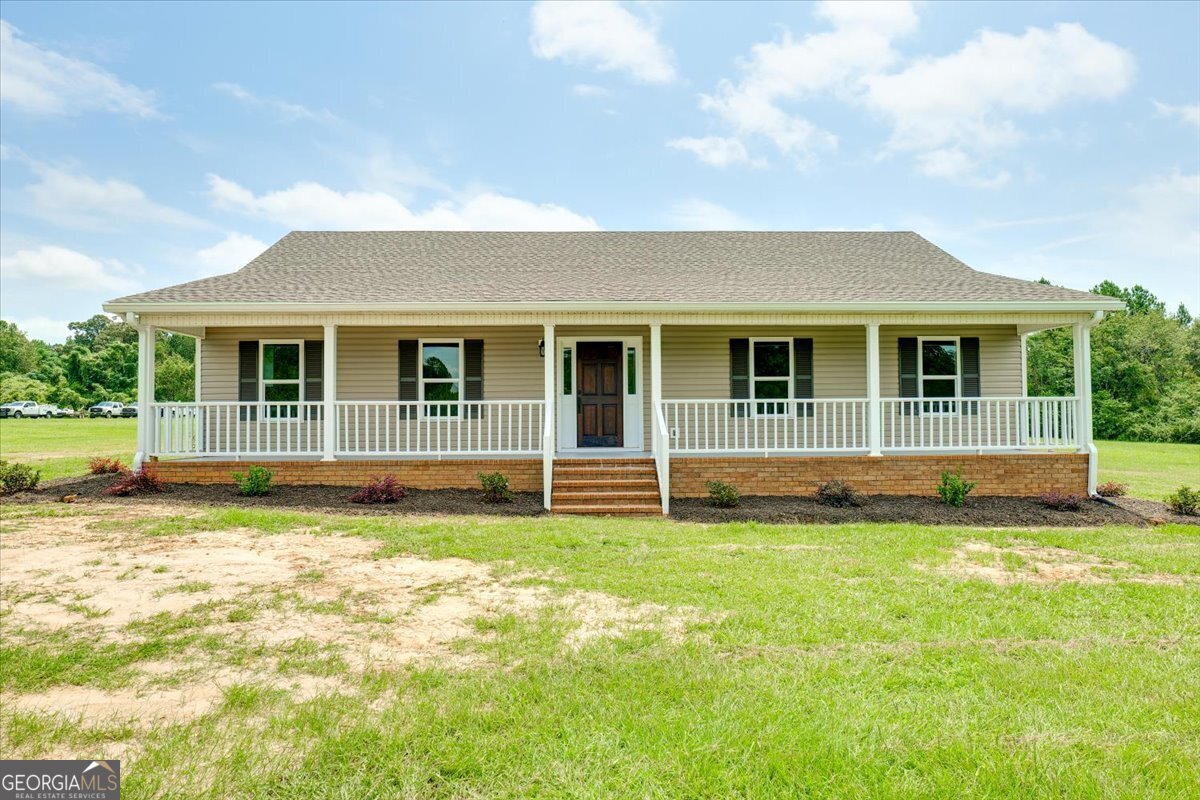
pixel 985 512
pixel 323 499
pixel 982 512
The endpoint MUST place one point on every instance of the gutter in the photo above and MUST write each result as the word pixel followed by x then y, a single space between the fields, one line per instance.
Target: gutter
pixel 1074 306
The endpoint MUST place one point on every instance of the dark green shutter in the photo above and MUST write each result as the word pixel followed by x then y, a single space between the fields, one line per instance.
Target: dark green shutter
pixel 909 368
pixel 408 375
pixel 248 378
pixel 969 355
pixel 473 374
pixel 802 365
pixel 739 376
pixel 314 377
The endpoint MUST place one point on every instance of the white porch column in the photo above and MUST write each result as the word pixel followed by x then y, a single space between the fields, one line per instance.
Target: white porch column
pixel 655 366
pixel 1082 345
pixel 196 370
pixel 874 406
pixel 329 385
pixel 550 423
pixel 145 396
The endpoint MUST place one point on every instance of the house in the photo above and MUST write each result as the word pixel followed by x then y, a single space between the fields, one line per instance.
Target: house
pixel 615 370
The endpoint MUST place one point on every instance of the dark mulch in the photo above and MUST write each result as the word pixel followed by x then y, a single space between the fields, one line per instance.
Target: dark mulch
pixel 327 499
pixel 983 512
pixel 1154 510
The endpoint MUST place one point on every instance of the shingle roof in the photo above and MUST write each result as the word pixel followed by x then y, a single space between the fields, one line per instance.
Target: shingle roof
pixel 406 267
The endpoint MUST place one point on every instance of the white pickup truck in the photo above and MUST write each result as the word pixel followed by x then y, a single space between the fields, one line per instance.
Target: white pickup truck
pixel 23 408
pixel 109 408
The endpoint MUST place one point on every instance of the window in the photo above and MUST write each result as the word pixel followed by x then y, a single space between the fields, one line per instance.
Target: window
pixel 567 375
pixel 441 377
pixel 771 374
pixel 281 377
pixel 631 370
pixel 938 376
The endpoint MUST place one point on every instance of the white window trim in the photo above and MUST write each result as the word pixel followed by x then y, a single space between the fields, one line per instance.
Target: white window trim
pixel 957 377
pixel 791 376
pixel 263 382
pixel 460 380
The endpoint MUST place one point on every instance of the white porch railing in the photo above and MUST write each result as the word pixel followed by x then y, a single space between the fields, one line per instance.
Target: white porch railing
pixel 235 429
pixel 483 427
pixel 980 423
pixel 765 426
pixel 662 457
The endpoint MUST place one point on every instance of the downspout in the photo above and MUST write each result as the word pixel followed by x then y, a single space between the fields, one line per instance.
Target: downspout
pixel 1086 422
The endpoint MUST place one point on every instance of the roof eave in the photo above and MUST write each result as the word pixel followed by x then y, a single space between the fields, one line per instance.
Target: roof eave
pixel 1076 306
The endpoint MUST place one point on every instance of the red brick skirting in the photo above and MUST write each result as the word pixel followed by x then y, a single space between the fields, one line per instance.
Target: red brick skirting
pixel 1022 475
pixel 524 475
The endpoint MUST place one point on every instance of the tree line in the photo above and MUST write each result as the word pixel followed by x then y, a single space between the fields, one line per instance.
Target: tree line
pixel 1145 367
pixel 98 361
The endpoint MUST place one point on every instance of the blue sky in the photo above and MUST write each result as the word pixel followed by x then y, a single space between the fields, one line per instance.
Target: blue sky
pixel 144 145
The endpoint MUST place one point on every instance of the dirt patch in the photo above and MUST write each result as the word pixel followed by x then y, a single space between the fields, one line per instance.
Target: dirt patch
pixel 1029 563
pixel 1155 511
pixel 309 611
pixel 328 499
pixel 979 512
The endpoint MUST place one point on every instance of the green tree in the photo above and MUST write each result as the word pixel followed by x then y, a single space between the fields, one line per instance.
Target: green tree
pixel 17 353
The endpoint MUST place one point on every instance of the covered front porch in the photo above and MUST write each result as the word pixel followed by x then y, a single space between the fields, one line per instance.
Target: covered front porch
pixel 659 390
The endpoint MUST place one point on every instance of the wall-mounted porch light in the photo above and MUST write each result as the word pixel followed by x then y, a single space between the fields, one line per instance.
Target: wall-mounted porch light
pixel 542 348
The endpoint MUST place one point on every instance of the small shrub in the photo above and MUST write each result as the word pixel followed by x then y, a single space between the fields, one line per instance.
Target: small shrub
pixel 143 482
pixel 1112 489
pixel 839 494
pixel 379 490
pixel 953 489
pixel 255 482
pixel 18 478
pixel 495 487
pixel 1061 502
pixel 723 495
pixel 1184 500
pixel 102 465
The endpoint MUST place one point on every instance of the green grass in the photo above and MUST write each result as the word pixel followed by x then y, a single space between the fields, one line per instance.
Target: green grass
pixel 1151 470
pixel 826 661
pixel 61 447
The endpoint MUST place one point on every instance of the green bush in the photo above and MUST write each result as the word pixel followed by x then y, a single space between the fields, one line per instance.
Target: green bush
pixel 723 495
pixel 495 487
pixel 1184 500
pixel 255 482
pixel 953 489
pixel 18 478
pixel 838 494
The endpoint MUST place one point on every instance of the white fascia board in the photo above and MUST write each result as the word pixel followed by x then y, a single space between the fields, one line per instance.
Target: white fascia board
pixel 1076 306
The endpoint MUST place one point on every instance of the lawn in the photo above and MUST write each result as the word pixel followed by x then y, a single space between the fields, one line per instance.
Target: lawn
pixel 721 660
pixel 1151 470
pixel 60 447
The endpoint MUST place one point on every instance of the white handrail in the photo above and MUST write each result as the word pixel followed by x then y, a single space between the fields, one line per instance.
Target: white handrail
pixel 979 423
pixel 662 457
pixel 766 426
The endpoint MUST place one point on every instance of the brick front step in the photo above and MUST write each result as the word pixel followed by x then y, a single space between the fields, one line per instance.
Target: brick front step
pixel 606 486
pixel 641 509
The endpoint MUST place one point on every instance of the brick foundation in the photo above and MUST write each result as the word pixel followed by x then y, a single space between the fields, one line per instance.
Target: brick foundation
pixel 1022 475
pixel 524 475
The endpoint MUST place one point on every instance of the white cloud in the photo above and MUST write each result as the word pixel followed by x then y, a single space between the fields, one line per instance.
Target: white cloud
pixel 1185 113
pixel 717 151
pixel 231 253
pixel 44 328
pixel 1162 222
pixel 953 113
pixel 41 81
pixel 603 34
pixel 701 215
pixel 74 200
pixel 967 99
pixel 60 269
pixel 289 112
pixel 311 206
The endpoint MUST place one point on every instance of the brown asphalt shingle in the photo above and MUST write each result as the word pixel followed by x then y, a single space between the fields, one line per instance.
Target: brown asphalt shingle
pixel 613 267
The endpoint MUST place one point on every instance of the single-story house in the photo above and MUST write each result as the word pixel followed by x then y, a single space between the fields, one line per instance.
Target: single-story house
pixel 614 370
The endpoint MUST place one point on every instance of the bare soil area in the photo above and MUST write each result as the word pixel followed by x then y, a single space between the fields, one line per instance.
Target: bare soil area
pixel 301 611
pixel 1023 562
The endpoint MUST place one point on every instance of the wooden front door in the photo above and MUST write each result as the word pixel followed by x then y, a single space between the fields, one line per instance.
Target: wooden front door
pixel 599 412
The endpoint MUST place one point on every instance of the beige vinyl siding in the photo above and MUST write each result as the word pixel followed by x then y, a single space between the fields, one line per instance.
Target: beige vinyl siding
pixel 219 356
pixel 696 359
pixel 999 356
pixel 369 365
